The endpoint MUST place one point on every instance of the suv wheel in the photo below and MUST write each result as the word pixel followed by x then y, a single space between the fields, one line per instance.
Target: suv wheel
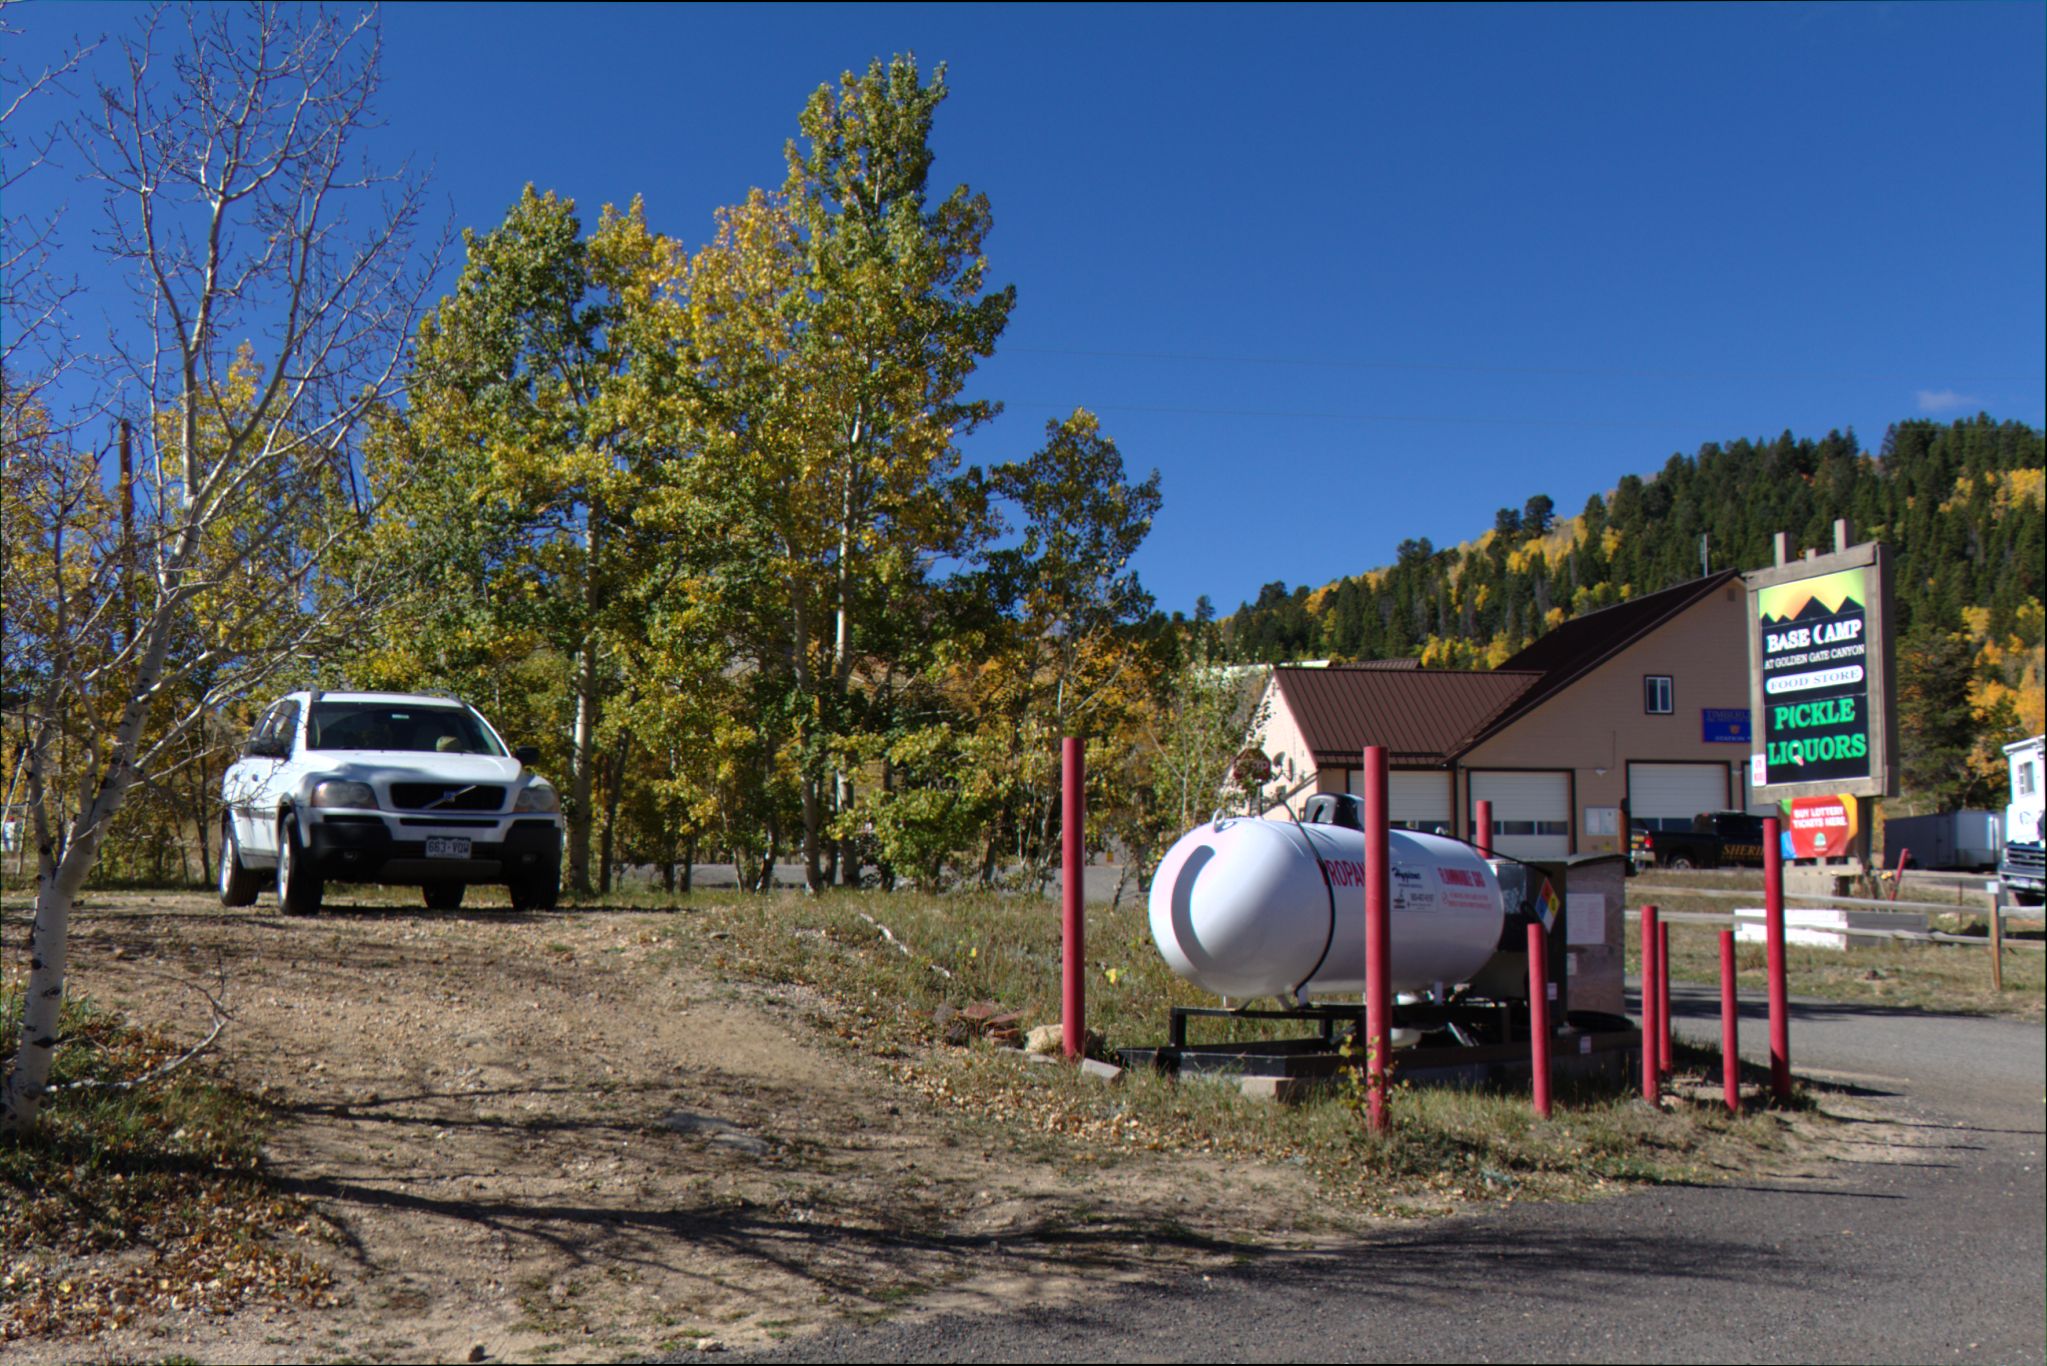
pixel 540 892
pixel 299 888
pixel 238 886
pixel 443 896
pixel 1680 864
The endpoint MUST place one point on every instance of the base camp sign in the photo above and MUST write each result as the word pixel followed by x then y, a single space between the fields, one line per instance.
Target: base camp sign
pixel 1819 677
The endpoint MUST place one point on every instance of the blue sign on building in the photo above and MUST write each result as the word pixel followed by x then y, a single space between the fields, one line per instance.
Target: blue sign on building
pixel 1724 725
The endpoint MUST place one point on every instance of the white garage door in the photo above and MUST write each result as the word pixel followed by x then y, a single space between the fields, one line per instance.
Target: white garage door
pixel 1419 801
pixel 1667 796
pixel 1531 812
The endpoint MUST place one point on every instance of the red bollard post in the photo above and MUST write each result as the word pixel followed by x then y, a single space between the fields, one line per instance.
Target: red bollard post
pixel 1663 1049
pixel 1482 828
pixel 1730 1016
pixel 1780 994
pixel 1652 1076
pixel 1538 1014
pixel 1378 934
pixel 1073 958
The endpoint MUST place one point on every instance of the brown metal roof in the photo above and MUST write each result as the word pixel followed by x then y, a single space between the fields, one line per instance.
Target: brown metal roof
pixel 1578 646
pixel 1427 717
pixel 1421 716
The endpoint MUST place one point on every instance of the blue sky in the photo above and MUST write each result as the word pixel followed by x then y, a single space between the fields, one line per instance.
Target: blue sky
pixel 1349 276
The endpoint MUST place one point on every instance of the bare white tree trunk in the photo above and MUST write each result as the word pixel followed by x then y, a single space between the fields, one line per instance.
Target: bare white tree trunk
pixel 58 880
pixel 589 701
pixel 581 769
pixel 229 172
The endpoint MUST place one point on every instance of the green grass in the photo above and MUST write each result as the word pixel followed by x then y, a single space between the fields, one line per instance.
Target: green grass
pixel 122 1202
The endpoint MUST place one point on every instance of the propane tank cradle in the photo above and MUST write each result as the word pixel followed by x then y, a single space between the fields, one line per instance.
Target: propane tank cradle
pixel 1248 907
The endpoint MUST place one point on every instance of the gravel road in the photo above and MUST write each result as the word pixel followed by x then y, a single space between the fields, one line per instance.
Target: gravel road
pixel 1938 1257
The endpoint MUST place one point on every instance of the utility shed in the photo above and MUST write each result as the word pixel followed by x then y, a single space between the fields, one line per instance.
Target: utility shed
pixel 1596 953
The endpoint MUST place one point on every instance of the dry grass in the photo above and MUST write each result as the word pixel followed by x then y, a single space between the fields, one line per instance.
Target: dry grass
pixel 127 1202
pixel 1951 978
pixel 1444 1146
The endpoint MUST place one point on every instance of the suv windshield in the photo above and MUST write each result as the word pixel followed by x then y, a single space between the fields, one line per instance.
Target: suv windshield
pixel 395 726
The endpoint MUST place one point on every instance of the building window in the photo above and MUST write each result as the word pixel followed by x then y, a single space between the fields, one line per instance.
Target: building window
pixel 1656 694
pixel 1531 827
pixel 1656 823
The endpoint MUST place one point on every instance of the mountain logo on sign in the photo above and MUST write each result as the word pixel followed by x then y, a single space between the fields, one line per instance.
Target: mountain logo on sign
pixel 1813 608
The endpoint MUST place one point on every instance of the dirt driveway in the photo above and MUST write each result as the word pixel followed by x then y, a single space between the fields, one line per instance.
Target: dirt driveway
pixel 553 1138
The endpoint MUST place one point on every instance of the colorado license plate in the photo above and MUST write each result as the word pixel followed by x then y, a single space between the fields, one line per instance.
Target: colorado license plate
pixel 447 848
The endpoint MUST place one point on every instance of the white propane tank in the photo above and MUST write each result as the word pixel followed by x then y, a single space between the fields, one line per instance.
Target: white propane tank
pixel 1241 908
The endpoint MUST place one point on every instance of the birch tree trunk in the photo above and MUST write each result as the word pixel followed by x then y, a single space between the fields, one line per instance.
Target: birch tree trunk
pixel 228 167
pixel 58 880
pixel 582 757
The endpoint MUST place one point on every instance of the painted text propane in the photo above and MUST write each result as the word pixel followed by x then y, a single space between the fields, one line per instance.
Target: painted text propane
pixel 1241 908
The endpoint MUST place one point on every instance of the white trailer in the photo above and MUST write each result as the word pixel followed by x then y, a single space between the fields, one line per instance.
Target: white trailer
pixel 1948 839
pixel 2023 869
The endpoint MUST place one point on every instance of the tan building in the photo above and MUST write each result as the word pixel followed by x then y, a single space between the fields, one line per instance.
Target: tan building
pixel 1635 714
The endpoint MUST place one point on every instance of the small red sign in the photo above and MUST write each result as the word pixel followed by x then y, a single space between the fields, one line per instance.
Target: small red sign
pixel 1820 827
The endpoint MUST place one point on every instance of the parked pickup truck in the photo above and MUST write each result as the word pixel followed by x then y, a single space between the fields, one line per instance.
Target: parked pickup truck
pixel 1717 839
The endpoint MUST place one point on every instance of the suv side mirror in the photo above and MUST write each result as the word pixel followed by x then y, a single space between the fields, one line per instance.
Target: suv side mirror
pixel 528 755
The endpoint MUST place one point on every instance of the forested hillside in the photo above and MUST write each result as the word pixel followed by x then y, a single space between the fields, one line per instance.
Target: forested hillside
pixel 1959 503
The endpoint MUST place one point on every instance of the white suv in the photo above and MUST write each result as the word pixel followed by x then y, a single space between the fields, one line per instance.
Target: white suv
pixel 390 788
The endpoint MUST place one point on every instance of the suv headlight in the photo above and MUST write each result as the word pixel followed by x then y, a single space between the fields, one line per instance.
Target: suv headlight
pixel 538 797
pixel 337 792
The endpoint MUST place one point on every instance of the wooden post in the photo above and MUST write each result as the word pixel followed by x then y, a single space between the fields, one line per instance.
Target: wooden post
pixel 1997 935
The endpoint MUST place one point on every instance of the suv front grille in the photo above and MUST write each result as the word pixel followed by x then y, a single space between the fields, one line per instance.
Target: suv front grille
pixel 459 797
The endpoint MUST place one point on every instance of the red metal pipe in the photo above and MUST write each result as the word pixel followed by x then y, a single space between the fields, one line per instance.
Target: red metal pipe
pixel 1652 1077
pixel 1730 1056
pixel 1898 878
pixel 1538 1014
pixel 1482 829
pixel 1663 1049
pixel 1378 934
pixel 1073 832
pixel 1780 995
